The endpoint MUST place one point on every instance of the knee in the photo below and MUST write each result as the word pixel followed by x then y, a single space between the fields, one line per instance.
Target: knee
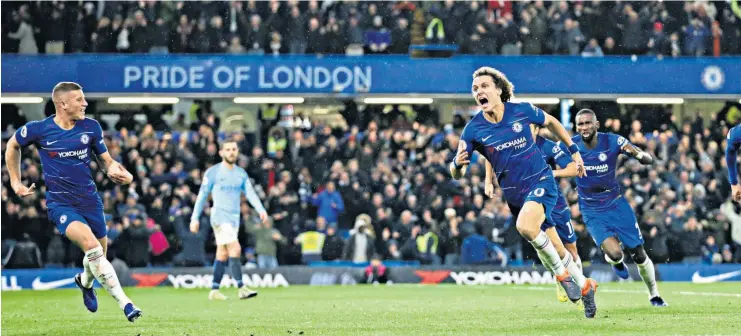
pixel 234 249
pixel 221 254
pixel 638 254
pixel 90 243
pixel 528 230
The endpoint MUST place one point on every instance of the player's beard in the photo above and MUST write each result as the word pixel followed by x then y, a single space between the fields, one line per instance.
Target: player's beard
pixel 230 160
pixel 590 137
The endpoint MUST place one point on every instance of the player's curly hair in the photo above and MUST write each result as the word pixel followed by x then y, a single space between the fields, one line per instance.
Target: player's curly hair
pixel 500 80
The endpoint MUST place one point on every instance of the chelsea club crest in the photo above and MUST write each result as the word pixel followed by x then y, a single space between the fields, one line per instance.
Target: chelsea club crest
pixel 517 127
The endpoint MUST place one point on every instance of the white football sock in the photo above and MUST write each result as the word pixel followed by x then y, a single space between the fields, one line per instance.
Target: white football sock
pixel 649 277
pixel 574 270
pixel 578 263
pixel 106 275
pixel 545 264
pixel 613 262
pixel 548 254
pixel 87 278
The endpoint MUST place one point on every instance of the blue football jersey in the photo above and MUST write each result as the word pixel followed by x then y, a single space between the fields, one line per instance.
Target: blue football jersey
pixel 554 153
pixel 510 148
pixel 65 159
pixel 732 147
pixel 600 188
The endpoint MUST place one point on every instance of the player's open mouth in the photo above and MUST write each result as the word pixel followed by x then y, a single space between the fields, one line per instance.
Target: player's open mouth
pixel 483 101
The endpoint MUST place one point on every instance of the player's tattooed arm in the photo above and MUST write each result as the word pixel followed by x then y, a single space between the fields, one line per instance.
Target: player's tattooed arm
pixel 633 151
pixel 13 162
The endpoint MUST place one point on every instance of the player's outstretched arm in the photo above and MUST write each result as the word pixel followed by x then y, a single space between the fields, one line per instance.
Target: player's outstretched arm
pixel 13 162
pixel 560 132
pixel 115 171
pixel 635 152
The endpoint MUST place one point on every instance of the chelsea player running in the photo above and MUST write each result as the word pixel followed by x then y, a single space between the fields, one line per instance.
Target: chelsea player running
pixel 65 141
pixel 501 133
pixel 226 181
pixel 608 216
pixel 732 146
pixel 560 231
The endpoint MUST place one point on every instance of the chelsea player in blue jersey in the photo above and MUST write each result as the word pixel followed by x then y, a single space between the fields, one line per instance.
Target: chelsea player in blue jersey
pixel 501 132
pixel 66 141
pixel 733 145
pixel 560 230
pixel 226 182
pixel 608 216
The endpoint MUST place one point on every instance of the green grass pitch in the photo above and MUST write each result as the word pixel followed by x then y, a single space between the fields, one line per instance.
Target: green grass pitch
pixel 382 310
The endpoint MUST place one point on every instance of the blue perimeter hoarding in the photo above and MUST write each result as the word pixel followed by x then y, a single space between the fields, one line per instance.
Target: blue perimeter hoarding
pixel 242 74
pixel 200 277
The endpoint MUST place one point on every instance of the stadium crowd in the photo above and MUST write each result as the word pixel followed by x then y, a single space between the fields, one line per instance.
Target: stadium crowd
pixel 375 185
pixel 587 28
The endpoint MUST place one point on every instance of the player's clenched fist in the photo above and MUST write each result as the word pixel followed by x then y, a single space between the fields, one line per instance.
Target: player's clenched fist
pixel 462 159
pixel 22 190
pixel 581 171
pixel 119 174
pixel 194 225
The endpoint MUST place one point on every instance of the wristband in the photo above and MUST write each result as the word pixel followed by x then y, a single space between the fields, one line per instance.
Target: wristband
pixel 573 149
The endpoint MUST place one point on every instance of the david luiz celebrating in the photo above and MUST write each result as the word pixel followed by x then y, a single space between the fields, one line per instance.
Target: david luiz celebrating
pixel 501 133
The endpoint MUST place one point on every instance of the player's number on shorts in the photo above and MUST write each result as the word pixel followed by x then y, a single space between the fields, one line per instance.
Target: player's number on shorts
pixel 640 235
pixel 571 228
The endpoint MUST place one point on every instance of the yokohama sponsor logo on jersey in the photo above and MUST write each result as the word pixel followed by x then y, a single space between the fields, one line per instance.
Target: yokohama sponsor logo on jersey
pixel 600 169
pixel 80 152
pixel 508 144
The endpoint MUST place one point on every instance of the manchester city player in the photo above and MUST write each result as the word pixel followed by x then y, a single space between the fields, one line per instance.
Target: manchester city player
pixel 608 216
pixel 66 141
pixel 732 146
pixel 501 132
pixel 559 230
pixel 226 181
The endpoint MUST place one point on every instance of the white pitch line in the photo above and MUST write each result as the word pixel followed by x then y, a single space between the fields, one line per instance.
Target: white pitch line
pixel 608 290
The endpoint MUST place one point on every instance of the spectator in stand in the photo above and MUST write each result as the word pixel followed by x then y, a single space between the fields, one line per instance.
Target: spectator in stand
pixel 315 38
pixel 329 204
pixel 266 243
pixel 360 246
pixel 592 49
pixel 333 245
pixel 296 32
pixel 25 35
pixel 311 242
